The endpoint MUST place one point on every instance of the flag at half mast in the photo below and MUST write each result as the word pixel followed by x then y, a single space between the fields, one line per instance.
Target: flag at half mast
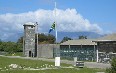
pixel 52 27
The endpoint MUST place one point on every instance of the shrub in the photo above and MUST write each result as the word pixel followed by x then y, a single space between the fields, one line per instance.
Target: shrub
pixel 113 67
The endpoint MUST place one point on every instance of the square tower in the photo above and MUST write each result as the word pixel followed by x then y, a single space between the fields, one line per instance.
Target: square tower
pixel 29 39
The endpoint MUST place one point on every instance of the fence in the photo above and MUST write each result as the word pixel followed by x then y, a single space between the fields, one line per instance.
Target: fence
pixel 82 54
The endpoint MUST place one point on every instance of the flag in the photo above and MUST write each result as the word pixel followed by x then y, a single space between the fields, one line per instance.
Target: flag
pixel 52 27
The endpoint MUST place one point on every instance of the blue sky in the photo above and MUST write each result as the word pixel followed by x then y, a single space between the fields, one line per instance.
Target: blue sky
pixel 98 14
pixel 94 10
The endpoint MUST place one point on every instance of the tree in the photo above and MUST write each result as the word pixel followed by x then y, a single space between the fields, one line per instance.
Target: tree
pixel 0 41
pixel 46 39
pixel 82 37
pixel 9 47
pixel 19 47
pixel 20 40
pixel 0 45
pixel 65 39
pixel 51 39
pixel 19 44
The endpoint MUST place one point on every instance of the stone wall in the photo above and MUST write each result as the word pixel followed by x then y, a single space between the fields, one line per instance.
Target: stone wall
pixel 47 50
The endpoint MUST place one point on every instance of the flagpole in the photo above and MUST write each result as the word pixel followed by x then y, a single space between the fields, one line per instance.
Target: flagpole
pixel 57 57
pixel 55 23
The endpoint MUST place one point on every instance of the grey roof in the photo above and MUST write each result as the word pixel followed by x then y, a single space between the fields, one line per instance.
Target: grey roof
pixel 79 42
pixel 110 37
pixel 29 24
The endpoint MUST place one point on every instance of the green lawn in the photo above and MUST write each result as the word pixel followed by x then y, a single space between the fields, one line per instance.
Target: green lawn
pixel 15 54
pixel 5 62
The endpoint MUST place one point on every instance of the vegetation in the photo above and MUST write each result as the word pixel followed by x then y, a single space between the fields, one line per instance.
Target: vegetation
pixel 46 39
pixel 113 67
pixel 15 54
pixel 5 62
pixel 10 47
pixel 65 39
pixel 82 37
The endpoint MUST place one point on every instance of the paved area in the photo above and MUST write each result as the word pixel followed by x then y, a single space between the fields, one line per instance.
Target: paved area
pixel 86 64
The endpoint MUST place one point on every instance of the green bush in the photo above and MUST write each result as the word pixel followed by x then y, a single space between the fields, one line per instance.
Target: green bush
pixel 11 47
pixel 113 67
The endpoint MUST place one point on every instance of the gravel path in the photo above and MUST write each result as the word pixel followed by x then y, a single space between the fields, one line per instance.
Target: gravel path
pixel 86 64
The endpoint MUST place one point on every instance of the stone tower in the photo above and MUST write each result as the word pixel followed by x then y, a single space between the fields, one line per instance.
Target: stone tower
pixel 29 39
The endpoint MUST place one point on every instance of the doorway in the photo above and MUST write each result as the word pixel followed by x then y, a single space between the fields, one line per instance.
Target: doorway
pixel 30 53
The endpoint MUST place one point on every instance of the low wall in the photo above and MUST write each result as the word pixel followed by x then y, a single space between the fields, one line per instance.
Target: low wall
pixel 47 50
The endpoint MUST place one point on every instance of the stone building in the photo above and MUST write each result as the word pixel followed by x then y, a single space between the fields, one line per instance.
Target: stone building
pixel 106 48
pixel 29 40
pixel 83 49
pixel 100 50
pixel 30 47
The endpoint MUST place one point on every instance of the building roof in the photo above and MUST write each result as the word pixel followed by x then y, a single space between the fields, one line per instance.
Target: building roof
pixel 79 42
pixel 29 24
pixel 110 37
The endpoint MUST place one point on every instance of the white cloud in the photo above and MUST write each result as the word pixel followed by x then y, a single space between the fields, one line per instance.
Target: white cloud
pixel 68 20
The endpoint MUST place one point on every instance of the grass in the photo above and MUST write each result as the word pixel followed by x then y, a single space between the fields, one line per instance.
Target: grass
pixel 53 71
pixel 4 62
pixel 15 54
